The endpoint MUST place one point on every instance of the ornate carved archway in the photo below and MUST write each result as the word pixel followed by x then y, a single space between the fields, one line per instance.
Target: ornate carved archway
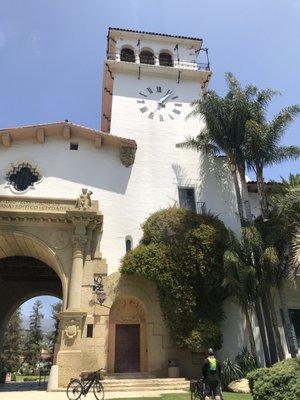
pixel 127 311
pixel 62 234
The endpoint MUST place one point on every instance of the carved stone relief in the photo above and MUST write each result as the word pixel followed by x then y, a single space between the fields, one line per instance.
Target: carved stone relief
pixel 84 201
pixel 59 240
pixel 127 155
pixel 71 328
pixel 127 311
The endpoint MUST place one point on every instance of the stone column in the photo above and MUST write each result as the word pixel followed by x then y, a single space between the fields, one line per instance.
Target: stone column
pixel 79 243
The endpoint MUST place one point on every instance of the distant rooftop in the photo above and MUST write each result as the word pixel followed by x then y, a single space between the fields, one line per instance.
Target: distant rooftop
pixel 154 33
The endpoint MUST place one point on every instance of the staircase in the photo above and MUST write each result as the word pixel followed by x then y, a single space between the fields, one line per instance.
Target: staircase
pixel 144 383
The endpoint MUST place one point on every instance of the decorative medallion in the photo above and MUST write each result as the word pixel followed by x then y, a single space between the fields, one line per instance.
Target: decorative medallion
pixel 71 329
pixel 59 239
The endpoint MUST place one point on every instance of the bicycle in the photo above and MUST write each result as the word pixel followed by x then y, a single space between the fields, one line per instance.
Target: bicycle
pixel 197 389
pixel 78 387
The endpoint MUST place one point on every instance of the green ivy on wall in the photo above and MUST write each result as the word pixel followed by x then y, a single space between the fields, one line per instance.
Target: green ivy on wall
pixel 182 252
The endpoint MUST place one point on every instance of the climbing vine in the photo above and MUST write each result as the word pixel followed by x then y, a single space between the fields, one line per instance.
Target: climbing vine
pixel 182 253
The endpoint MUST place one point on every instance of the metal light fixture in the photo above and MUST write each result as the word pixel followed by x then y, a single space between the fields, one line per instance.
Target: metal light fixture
pixel 99 290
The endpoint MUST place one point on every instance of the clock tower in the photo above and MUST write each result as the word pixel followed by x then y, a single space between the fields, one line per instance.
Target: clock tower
pixel 149 83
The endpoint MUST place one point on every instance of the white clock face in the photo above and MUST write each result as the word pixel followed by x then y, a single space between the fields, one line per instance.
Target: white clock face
pixel 159 103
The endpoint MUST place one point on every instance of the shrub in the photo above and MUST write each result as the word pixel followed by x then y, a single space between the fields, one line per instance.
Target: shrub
pixel 246 360
pixel 280 382
pixel 231 371
pixel 182 252
pixel 30 379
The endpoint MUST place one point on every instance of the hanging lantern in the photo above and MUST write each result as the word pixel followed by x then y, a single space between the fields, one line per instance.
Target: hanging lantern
pixel 99 290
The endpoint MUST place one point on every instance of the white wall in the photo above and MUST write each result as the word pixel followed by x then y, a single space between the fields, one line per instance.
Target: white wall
pixel 127 196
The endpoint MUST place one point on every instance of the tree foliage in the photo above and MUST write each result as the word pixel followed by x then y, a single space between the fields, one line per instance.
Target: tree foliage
pixel 182 253
pixel 52 337
pixel 34 337
pixel 10 359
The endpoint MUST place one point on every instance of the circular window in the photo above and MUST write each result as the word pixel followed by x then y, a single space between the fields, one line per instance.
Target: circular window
pixel 23 176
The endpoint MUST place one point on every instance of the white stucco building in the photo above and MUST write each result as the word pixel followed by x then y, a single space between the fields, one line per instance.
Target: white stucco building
pixel 133 168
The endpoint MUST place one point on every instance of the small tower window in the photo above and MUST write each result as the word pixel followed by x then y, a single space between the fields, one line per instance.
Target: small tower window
pixel 128 243
pixel 127 55
pixel 73 146
pixel 23 176
pixel 147 57
pixel 89 330
pixel 166 60
pixel 187 198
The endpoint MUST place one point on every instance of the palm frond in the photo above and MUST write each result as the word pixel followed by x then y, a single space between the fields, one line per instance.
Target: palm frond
pixel 281 153
pixel 295 253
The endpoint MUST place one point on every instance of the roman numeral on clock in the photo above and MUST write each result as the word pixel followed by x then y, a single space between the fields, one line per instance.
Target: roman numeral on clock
pixel 151 115
pixel 171 116
pixel 158 89
pixel 142 94
pixel 176 111
pixel 141 101
pixel 175 97
pixel 161 118
pixel 143 109
pixel 149 90
pixel 178 105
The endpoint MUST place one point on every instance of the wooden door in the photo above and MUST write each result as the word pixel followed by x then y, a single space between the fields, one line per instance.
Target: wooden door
pixel 127 350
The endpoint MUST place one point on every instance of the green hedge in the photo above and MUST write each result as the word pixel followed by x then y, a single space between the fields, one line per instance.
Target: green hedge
pixel 280 382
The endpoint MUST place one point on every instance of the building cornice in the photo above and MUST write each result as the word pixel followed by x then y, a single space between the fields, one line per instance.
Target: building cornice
pixel 68 131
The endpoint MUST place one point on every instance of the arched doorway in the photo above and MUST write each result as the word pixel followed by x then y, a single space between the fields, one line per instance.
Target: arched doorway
pixel 127 336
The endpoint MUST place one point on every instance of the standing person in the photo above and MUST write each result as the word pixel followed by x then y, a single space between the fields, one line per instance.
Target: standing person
pixel 211 371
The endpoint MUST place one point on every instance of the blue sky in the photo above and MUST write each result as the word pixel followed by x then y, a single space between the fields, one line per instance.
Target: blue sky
pixel 52 51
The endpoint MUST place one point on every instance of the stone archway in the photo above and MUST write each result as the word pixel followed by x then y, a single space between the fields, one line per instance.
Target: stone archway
pixel 127 320
pixel 22 278
pixel 59 236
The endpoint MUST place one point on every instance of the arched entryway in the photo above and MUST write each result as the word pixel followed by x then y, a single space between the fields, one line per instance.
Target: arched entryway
pixel 28 269
pixel 127 336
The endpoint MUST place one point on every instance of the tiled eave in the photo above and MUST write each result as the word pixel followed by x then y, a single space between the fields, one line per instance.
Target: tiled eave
pixel 68 131
pixel 252 186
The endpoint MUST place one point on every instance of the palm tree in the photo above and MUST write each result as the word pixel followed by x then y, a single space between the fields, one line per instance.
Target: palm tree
pixel 264 259
pixel 225 128
pixel 241 282
pixel 282 229
pixel 225 119
pixel 263 148
pixel 296 251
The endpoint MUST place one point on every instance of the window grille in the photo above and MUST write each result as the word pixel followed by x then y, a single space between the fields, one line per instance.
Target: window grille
pixel 23 176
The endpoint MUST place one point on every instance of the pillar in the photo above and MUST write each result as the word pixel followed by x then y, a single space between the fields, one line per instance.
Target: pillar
pixel 79 243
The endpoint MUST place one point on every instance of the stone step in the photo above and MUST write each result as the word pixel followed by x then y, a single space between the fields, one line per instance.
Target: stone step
pixel 162 384
pixel 142 385
pixel 166 389
pixel 143 381
pixel 173 384
pixel 131 375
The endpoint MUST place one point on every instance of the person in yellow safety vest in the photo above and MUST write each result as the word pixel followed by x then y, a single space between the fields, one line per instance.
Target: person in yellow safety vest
pixel 211 371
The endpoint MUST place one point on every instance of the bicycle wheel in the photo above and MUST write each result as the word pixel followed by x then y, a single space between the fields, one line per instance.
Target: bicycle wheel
pixel 74 389
pixel 98 390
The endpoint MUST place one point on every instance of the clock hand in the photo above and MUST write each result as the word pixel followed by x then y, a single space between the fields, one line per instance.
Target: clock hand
pixel 163 99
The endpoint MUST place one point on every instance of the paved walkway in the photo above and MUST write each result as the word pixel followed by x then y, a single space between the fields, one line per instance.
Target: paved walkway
pixel 31 391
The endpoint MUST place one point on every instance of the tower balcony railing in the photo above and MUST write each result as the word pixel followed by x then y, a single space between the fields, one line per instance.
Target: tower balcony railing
pixel 160 61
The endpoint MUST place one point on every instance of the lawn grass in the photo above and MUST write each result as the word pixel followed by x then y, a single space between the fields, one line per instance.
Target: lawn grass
pixel 186 396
